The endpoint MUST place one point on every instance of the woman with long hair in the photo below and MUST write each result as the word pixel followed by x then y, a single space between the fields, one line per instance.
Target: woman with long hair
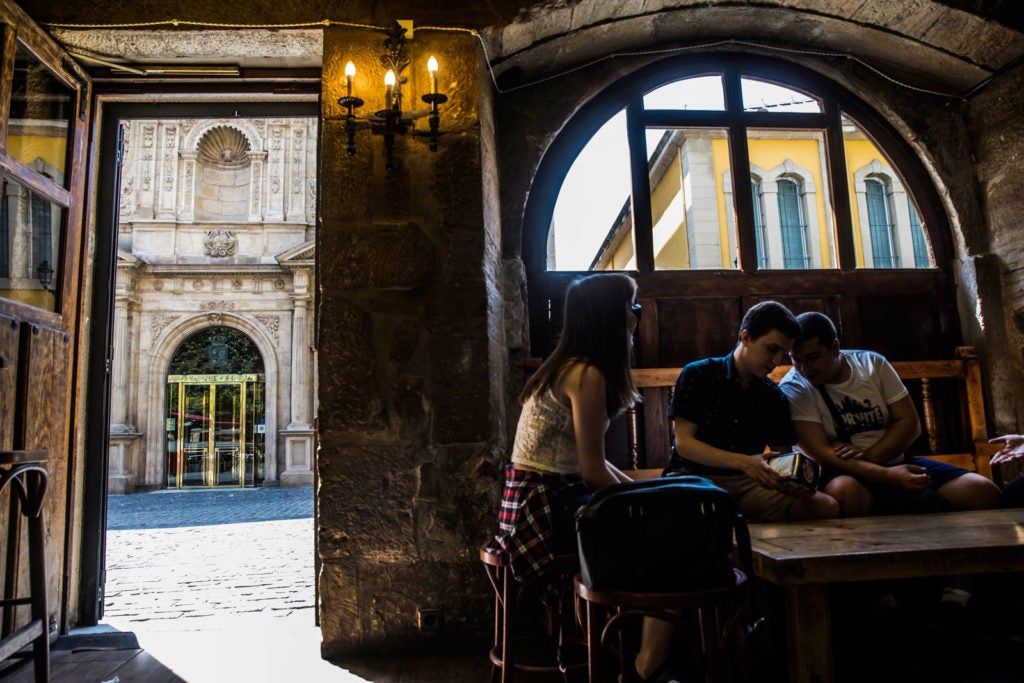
pixel 558 458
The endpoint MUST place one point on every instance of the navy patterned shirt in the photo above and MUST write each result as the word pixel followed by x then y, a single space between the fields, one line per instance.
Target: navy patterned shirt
pixel 709 394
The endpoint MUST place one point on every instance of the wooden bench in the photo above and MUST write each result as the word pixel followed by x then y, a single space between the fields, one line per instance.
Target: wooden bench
pixel 947 393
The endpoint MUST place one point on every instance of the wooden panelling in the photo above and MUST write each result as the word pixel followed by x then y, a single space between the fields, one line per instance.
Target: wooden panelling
pixel 695 327
pixel 901 326
pixel 8 379
pixel 46 361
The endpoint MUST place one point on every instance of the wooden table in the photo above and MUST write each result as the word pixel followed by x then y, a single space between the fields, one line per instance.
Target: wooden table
pixel 804 557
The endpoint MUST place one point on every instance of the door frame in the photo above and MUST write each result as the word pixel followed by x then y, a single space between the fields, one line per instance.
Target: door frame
pixel 109 110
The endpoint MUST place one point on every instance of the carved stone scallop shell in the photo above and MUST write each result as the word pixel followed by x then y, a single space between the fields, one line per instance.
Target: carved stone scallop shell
pixel 224 146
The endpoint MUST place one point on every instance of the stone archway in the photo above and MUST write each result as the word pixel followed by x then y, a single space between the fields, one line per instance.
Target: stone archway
pixel 154 472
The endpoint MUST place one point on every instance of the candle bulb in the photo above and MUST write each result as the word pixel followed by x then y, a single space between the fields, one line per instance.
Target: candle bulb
pixel 389 88
pixel 350 72
pixel 432 68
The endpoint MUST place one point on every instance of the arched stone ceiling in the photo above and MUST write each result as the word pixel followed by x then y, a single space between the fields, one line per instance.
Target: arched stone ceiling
pixel 952 45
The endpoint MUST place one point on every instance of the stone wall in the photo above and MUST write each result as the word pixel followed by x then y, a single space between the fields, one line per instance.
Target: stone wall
pixel 997 132
pixel 409 333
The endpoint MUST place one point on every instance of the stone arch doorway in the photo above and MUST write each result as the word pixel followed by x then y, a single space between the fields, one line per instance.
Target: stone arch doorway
pixel 216 418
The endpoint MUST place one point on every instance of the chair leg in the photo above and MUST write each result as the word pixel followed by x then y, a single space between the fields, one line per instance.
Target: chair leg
pixel 37 577
pixel 507 600
pixel 593 642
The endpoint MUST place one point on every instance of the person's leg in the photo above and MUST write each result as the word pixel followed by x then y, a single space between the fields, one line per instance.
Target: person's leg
pixel 756 502
pixel 963 490
pixel 854 498
pixel 655 644
pixel 815 506
pixel 970 491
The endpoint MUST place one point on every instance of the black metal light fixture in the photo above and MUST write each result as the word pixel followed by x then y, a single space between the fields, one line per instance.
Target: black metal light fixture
pixel 44 272
pixel 392 119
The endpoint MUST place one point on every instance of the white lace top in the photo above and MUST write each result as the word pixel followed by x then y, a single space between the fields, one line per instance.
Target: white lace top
pixel 545 438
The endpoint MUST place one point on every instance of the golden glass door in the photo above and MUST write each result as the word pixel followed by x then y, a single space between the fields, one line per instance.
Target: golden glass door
pixel 214 431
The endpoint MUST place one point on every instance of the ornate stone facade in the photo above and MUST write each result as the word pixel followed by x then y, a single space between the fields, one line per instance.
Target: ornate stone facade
pixel 204 241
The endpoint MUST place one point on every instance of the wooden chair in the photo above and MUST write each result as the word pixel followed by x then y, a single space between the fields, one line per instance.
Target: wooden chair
pixel 609 611
pixel 24 473
pixel 507 655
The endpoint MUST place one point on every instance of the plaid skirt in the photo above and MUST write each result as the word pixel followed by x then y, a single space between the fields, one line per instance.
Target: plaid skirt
pixel 527 532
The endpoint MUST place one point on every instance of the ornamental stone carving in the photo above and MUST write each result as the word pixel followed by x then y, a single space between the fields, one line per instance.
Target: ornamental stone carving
pixel 159 323
pixel 273 324
pixel 217 306
pixel 220 243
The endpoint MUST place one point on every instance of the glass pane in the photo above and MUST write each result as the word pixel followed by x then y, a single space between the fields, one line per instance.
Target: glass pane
pixel 195 427
pixel 593 206
pixel 42 109
pixel 31 232
pixel 228 434
pixel 790 179
pixel 691 198
pixel 171 432
pixel 257 428
pixel 763 96
pixel 887 230
pixel 922 258
pixel 703 93
pixel 759 239
pixel 880 223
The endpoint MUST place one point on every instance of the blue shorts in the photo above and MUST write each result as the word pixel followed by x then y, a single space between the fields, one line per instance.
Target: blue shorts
pixel 891 500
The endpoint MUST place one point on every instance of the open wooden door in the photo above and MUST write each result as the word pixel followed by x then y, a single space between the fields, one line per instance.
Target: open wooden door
pixel 44 120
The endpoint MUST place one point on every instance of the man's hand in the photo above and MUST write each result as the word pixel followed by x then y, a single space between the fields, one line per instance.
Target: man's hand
pixel 757 468
pixel 847 451
pixel 909 477
pixel 1013 448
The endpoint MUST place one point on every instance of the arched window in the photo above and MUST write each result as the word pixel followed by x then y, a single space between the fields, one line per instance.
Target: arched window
pixel 651 188
pixel 721 180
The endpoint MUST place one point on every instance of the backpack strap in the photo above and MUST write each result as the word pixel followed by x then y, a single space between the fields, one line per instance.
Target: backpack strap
pixel 842 433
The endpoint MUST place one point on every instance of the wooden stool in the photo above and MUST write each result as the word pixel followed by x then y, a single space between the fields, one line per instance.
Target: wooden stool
pixel 24 473
pixel 715 609
pixel 507 594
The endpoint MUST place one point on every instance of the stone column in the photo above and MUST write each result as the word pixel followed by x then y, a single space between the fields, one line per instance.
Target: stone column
pixel 296 467
pixel 119 370
pixel 124 438
pixel 300 352
pixel 410 326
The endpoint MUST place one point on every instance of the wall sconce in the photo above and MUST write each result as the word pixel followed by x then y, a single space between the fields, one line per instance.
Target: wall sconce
pixel 45 275
pixel 392 119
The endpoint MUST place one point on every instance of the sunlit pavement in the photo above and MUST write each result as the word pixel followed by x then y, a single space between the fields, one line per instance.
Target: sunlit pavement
pixel 213 595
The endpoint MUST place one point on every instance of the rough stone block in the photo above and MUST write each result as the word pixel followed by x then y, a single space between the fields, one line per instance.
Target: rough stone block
pixel 383 257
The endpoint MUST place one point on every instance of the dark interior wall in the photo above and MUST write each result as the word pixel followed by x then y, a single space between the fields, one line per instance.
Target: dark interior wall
pixel 996 127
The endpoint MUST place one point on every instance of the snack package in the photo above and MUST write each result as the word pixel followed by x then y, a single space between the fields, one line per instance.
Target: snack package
pixel 799 471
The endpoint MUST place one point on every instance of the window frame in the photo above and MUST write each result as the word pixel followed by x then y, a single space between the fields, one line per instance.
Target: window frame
pixel 18 31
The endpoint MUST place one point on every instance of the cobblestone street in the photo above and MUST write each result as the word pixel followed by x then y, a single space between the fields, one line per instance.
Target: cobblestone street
pixel 199 555
pixel 218 585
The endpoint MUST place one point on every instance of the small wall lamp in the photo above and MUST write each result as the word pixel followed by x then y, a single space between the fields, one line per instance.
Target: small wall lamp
pixel 44 272
pixel 392 119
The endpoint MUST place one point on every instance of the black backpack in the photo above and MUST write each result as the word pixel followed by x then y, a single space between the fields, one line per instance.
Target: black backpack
pixel 672 534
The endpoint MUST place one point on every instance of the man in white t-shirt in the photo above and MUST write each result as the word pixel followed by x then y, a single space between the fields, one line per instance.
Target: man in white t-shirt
pixel 853 415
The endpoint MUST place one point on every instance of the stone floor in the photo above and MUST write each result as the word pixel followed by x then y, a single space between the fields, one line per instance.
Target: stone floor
pixel 218 586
